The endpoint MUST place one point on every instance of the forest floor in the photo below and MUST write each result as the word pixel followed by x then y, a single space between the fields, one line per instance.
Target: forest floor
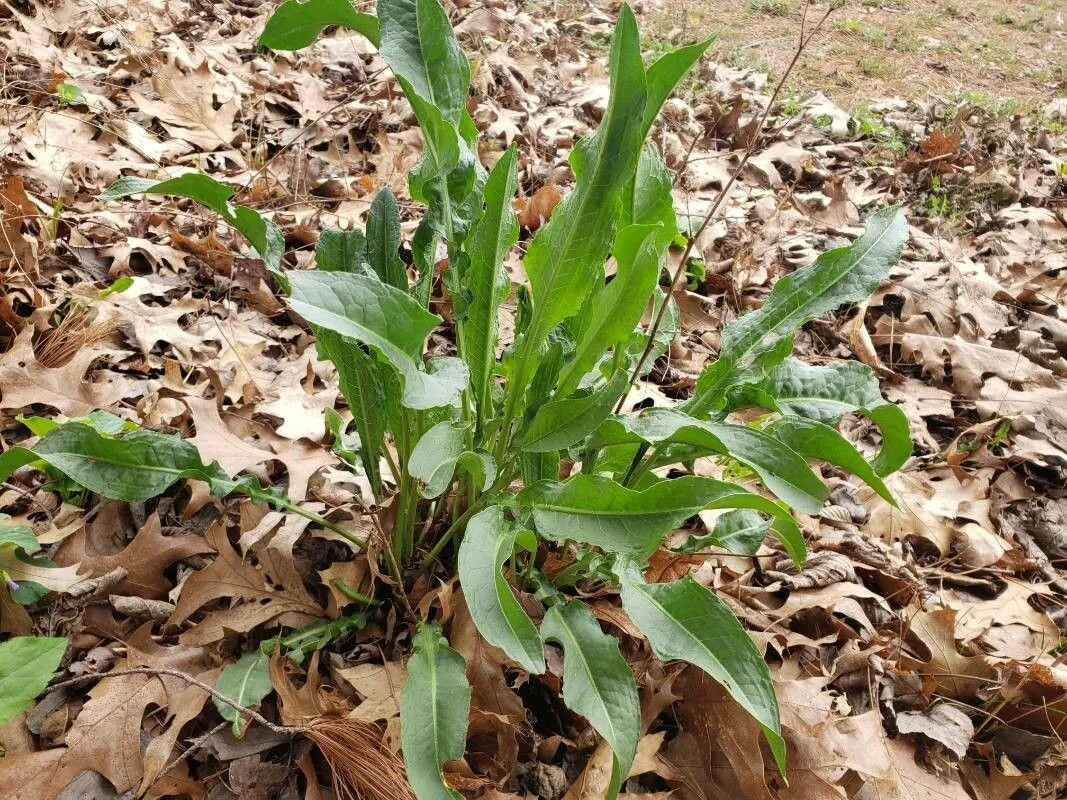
pixel 915 655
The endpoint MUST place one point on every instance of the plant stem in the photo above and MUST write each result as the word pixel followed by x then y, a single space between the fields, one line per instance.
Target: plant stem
pixel 403 517
pixel 635 471
pixel 321 520
pixel 453 529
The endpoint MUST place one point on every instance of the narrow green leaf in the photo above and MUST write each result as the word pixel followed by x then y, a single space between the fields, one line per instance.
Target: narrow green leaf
pixel 264 235
pixel 597 683
pixel 363 308
pixel 616 308
pixel 567 254
pixel 369 387
pixel 246 682
pixel 418 44
pixel 845 275
pixel 822 393
pixel 433 460
pixel 294 25
pixel 684 620
pixel 558 424
pixel 896 437
pixel 340 251
pixel 598 511
pixel 383 240
pixel 488 284
pixel 488 542
pixel 781 470
pixel 663 76
pixel 27 664
pixel 814 440
pixel 433 713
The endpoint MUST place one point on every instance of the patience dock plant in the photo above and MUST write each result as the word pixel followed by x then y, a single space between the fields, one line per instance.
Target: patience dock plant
pixel 495 456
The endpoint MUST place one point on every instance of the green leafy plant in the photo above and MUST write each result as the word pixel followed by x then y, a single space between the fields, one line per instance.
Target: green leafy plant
pixel 492 460
pixel 26 666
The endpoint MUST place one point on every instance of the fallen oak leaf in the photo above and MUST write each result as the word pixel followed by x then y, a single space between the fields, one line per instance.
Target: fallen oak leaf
pixel 144 559
pixel 228 576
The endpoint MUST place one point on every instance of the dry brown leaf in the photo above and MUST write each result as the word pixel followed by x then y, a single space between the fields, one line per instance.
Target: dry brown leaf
pixel 24 381
pixel 186 108
pixel 228 576
pixel 379 685
pixel 971 362
pixel 537 210
pixel 505 714
pixel 144 559
pixel 957 676
pixel 105 737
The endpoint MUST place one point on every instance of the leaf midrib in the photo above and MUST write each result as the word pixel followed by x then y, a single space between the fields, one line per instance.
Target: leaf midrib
pixel 577 649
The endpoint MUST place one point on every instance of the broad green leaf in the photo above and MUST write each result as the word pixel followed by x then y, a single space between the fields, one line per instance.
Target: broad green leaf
pixel 488 542
pixel 740 531
pixel 136 467
pixel 845 275
pixel 420 48
pixel 539 467
pixel 822 393
pixel 14 536
pixel 685 621
pixel 100 421
pixel 781 470
pixel 294 25
pixel 650 201
pixel 558 424
pixel 368 386
pixel 340 251
pixel 433 460
pixel 815 440
pixel 598 511
pixel 433 713
pixel 566 257
pixel 440 385
pixel 616 309
pixel 264 235
pixel 665 73
pixel 597 683
pixel 487 283
pixel 27 664
pixel 383 240
pixel 247 682
pixel 363 308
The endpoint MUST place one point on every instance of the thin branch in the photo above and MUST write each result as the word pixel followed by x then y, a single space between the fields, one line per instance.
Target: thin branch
pixel 710 216
pixel 160 671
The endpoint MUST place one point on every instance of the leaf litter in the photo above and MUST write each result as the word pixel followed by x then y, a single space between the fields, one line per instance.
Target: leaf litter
pixel 916 653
